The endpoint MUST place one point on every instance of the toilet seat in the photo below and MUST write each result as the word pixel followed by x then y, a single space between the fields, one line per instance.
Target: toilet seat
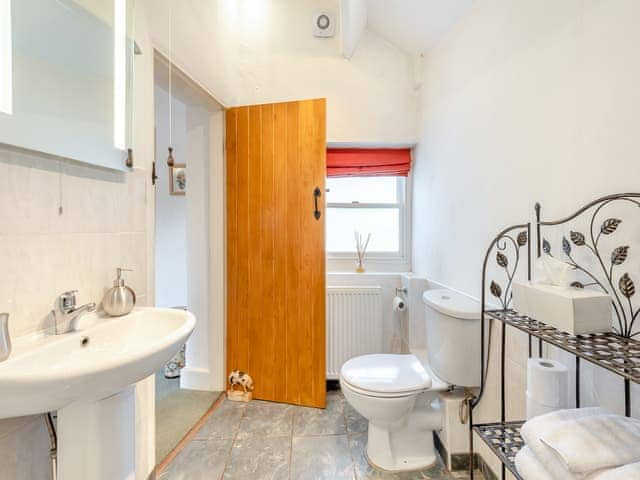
pixel 386 375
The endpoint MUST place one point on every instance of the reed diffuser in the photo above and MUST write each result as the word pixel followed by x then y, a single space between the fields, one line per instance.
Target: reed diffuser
pixel 361 250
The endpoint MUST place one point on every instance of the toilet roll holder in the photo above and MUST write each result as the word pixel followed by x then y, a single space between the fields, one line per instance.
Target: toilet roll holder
pixel 401 290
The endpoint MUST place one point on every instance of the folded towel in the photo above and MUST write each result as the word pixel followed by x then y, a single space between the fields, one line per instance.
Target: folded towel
pixel 593 443
pixel 529 467
pixel 538 426
pixel 627 472
pixel 533 429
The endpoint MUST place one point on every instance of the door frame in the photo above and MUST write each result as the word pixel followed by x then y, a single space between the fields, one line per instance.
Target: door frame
pixel 206 348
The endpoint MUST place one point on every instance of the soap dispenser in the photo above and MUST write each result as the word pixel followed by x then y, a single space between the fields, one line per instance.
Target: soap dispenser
pixel 5 340
pixel 120 299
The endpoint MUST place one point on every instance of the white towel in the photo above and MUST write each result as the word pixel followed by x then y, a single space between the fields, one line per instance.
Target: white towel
pixel 533 429
pixel 529 467
pixel 538 426
pixel 593 443
pixel 627 472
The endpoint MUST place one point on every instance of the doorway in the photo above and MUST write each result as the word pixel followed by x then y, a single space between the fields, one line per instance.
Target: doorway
pixel 187 247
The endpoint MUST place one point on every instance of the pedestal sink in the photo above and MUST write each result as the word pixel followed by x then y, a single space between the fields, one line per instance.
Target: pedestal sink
pixel 87 377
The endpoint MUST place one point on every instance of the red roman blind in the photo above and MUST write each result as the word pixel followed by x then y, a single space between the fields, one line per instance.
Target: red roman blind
pixel 368 162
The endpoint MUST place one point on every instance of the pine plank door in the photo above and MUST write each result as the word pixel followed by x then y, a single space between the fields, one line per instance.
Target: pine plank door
pixel 276 168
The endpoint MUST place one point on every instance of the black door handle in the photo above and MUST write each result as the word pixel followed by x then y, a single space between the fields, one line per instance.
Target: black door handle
pixel 316 194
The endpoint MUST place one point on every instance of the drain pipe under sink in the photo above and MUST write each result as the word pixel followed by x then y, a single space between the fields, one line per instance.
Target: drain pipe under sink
pixel 53 445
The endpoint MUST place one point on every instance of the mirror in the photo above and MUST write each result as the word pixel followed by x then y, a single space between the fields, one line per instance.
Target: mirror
pixel 66 71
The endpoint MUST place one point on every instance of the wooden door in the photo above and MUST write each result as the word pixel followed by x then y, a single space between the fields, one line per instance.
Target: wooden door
pixel 276 158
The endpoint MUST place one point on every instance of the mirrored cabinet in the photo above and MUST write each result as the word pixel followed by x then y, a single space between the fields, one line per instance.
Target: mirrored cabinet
pixel 66 76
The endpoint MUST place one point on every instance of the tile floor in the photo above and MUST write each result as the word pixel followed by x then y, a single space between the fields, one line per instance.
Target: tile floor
pixel 263 440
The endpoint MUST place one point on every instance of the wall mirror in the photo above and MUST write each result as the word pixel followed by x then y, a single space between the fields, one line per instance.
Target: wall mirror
pixel 66 72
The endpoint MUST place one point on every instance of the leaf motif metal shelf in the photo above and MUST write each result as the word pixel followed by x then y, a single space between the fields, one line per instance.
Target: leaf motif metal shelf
pixel 504 440
pixel 606 275
pixel 618 354
pixel 601 259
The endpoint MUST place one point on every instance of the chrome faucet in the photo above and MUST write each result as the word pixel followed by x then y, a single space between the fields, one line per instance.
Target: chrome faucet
pixel 66 313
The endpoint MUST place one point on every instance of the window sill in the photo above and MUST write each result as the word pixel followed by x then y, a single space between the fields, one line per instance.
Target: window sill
pixel 366 274
pixel 371 266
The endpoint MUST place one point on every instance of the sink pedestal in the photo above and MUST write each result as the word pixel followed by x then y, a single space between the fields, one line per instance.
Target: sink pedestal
pixel 96 440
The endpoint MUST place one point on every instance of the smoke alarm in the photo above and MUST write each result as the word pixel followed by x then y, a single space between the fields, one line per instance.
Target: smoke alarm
pixel 324 25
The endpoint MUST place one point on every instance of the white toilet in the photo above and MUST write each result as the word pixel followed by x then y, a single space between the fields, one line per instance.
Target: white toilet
pixel 398 393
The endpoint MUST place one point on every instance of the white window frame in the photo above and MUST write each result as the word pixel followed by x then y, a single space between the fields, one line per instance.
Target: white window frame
pixel 380 261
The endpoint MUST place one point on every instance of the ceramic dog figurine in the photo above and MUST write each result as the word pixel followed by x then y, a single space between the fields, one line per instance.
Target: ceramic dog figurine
pixel 238 377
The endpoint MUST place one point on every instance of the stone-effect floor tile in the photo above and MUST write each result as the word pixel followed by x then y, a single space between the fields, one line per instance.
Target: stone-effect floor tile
pixel 364 471
pixel 200 460
pixel 259 458
pixel 266 419
pixel 281 442
pixel 317 421
pixel 224 422
pixel 321 458
pixel 356 423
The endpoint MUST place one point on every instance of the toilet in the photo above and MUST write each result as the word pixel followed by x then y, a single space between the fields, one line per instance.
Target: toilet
pixel 398 393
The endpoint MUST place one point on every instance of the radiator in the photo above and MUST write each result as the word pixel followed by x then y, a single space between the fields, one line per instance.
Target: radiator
pixel 354 324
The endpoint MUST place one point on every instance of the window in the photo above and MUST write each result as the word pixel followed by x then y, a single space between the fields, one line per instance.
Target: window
pixel 375 205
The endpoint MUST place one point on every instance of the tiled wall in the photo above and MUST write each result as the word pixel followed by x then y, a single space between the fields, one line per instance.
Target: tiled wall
pixel 45 251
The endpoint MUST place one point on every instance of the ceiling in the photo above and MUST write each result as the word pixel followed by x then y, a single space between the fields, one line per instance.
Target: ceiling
pixel 414 26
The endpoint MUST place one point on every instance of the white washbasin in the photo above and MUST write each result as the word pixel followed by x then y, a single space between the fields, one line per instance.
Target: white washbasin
pixel 51 372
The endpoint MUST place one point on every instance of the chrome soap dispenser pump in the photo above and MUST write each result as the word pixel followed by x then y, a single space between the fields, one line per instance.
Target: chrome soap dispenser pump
pixel 120 299
pixel 5 340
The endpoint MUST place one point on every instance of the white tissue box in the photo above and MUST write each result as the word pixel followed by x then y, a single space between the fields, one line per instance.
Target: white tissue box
pixel 572 310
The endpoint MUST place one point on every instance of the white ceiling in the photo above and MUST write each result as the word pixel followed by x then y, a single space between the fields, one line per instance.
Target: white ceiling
pixel 414 25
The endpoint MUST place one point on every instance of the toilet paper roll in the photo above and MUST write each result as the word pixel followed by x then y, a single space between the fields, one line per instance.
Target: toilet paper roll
pixel 548 382
pixel 399 305
pixel 535 408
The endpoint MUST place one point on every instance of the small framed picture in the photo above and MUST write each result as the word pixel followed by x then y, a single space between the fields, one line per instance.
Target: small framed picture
pixel 178 179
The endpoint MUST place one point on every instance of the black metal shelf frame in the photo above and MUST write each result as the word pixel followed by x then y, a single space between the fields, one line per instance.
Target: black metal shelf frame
pixel 504 440
pixel 616 351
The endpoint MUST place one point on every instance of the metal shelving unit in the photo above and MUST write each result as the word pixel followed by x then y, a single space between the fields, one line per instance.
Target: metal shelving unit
pixel 613 352
pixel 504 440
pixel 616 351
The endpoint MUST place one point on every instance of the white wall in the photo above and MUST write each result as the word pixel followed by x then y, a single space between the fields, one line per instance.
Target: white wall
pixel 171 210
pixel 523 102
pixel 217 253
pixel 248 51
pixel 200 352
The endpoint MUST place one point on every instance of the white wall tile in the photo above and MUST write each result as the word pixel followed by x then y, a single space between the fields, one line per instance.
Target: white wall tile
pixel 517 344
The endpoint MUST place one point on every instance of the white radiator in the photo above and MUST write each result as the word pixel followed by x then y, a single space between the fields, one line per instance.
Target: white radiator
pixel 354 324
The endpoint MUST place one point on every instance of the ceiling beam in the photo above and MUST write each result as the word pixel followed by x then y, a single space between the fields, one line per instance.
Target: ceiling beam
pixel 353 14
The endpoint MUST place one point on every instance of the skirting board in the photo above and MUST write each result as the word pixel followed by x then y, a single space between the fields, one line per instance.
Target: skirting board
pixel 198 379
